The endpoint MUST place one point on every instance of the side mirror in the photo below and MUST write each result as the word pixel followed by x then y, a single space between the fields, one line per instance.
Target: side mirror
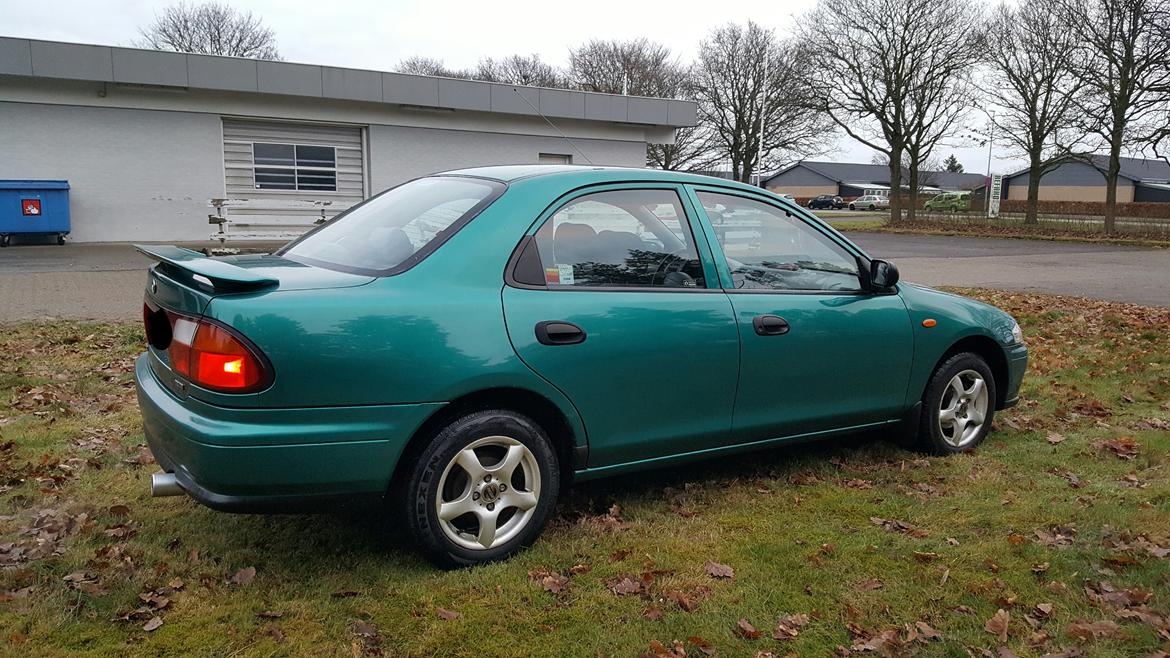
pixel 883 275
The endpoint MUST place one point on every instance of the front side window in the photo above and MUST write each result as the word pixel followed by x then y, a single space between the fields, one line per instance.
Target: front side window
pixel 379 235
pixel 626 238
pixel 769 249
pixel 294 167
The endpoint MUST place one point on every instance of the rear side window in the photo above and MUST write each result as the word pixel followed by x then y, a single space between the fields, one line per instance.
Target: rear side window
pixel 624 239
pixel 397 228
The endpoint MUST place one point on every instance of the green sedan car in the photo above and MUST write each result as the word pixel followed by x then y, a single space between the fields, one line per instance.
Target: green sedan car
pixel 463 346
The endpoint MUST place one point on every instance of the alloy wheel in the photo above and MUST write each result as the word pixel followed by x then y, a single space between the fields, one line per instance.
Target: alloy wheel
pixel 488 492
pixel 963 408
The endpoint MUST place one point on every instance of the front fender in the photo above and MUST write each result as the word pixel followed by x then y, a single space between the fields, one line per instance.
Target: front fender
pixel 955 318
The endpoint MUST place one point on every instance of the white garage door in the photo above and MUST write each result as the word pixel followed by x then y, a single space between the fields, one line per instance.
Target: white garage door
pixel 287 175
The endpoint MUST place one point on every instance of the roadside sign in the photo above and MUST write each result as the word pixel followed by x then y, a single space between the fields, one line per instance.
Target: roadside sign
pixel 994 192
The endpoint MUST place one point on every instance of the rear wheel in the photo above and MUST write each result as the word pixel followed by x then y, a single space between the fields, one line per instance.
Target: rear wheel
pixel 482 490
pixel 958 406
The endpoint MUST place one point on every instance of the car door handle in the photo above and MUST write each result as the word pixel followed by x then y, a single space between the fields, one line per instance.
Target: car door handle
pixel 770 325
pixel 559 332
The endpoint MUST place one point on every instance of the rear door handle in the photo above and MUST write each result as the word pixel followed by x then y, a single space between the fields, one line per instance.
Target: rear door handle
pixel 770 325
pixel 559 332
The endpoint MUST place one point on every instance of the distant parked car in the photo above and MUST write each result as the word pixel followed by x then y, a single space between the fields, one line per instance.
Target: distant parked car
pixel 870 202
pixel 952 201
pixel 826 201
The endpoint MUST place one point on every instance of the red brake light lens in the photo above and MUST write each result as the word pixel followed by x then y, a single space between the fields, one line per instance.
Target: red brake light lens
pixel 213 357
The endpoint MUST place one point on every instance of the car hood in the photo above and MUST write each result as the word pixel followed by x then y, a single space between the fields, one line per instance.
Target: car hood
pixel 292 275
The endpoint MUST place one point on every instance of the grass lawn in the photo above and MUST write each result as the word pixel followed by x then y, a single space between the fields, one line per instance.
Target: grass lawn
pixel 1051 539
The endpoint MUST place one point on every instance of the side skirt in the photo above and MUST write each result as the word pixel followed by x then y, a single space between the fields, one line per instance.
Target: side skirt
pixel 586 474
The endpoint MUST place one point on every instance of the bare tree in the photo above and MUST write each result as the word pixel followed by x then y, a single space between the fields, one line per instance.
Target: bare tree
pixel 745 78
pixel 1031 79
pixel 210 28
pixel 892 74
pixel 640 67
pixel 419 65
pixel 643 68
pixel 1123 71
pixel 527 70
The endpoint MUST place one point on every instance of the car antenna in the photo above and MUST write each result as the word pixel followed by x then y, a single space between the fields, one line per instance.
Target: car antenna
pixel 554 126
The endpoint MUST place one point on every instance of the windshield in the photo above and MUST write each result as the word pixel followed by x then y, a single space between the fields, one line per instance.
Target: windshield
pixel 394 230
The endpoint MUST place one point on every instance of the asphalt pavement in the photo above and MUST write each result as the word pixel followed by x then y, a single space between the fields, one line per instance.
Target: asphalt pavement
pixel 105 281
pixel 1112 272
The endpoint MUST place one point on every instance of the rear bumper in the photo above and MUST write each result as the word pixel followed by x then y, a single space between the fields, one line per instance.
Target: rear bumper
pixel 274 460
pixel 1017 364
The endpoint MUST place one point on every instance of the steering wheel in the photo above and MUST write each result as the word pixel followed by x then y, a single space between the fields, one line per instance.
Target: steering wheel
pixel 671 266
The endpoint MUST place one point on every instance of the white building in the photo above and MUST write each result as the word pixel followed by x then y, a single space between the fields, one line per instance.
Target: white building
pixel 148 139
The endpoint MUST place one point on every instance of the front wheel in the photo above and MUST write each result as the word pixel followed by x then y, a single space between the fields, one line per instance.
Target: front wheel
pixel 482 490
pixel 958 406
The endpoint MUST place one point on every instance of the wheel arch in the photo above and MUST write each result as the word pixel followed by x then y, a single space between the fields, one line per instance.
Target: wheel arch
pixel 539 408
pixel 987 348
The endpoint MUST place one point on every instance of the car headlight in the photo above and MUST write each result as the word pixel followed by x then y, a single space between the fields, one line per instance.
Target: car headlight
pixel 1014 334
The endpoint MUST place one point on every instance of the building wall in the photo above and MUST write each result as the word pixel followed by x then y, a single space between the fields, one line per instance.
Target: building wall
pixel 144 163
pixel 135 174
pixel 800 176
pixel 1075 181
pixel 400 153
pixel 1018 190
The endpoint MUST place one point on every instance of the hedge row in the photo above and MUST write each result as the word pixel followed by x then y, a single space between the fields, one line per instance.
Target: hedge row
pixel 1092 208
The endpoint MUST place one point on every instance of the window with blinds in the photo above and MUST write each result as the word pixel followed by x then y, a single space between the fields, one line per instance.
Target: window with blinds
pixel 294 167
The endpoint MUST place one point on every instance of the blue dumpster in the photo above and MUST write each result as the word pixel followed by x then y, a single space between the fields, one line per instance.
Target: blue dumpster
pixel 34 207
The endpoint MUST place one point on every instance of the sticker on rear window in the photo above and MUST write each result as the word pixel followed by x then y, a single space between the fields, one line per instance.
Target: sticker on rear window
pixel 565 274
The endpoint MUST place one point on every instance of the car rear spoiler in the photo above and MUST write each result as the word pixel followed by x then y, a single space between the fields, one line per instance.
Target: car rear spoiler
pixel 220 276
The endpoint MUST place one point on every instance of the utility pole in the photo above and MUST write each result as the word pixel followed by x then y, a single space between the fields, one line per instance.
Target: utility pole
pixel 990 141
pixel 763 108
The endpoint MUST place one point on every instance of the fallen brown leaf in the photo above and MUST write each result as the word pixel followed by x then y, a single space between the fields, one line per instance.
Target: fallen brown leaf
pixel 624 585
pixel 244 576
pixel 789 626
pixel 153 624
pixel 718 570
pixel 449 615
pixel 998 624
pixel 745 629
pixel 1086 631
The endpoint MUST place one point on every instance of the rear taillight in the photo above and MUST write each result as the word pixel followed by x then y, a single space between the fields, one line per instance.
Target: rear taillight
pixel 215 357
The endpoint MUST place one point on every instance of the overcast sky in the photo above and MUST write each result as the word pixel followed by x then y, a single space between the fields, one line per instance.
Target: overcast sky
pixel 377 35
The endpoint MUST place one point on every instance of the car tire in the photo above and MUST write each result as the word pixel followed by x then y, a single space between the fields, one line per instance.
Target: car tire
pixel 872 207
pixel 851 207
pixel 480 492
pixel 957 413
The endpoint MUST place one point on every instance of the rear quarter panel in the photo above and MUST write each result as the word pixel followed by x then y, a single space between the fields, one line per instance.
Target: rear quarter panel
pixel 430 334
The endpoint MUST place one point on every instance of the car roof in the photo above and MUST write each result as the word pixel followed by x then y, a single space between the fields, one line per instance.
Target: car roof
pixel 593 174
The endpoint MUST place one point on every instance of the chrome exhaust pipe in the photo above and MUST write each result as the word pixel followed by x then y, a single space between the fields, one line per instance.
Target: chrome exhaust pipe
pixel 164 484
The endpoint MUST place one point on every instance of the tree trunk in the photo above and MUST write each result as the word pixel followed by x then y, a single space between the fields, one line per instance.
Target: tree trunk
pixel 895 185
pixel 1030 218
pixel 912 201
pixel 1111 187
